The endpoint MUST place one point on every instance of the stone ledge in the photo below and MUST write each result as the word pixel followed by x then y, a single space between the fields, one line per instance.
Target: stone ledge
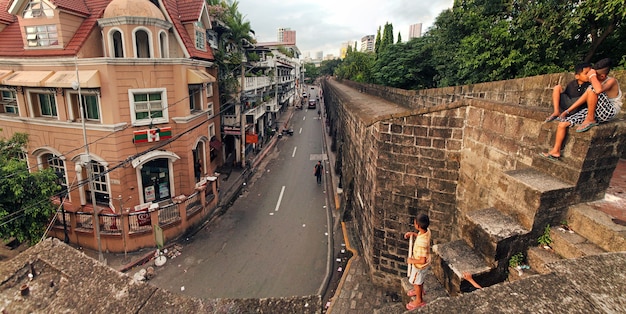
pixel 572 245
pixel 597 227
pixel 538 257
pixel 494 234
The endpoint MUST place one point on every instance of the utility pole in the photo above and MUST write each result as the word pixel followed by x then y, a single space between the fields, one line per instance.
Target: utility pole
pixel 242 118
pixel 96 218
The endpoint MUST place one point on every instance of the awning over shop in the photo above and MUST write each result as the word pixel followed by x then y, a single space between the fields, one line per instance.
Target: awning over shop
pixel 88 79
pixel 4 73
pixel 199 77
pixel 27 78
pixel 215 144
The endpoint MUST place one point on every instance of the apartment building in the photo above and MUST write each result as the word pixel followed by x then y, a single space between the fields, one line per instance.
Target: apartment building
pixel 133 79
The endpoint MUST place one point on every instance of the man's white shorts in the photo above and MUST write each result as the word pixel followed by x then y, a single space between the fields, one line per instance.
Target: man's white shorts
pixel 417 275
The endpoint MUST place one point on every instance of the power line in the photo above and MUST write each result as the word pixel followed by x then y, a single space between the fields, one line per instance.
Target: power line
pixel 36 166
pixel 123 163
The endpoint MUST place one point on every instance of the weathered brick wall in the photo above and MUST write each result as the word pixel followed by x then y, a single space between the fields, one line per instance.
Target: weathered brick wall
pixel 446 156
pixel 393 169
pixel 535 91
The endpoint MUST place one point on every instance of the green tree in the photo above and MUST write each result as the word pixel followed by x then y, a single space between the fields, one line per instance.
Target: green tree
pixel 25 198
pixel 377 41
pixel 235 36
pixel 387 38
pixel 406 66
pixel 357 66
pixel 328 66
pixel 399 38
pixel 311 72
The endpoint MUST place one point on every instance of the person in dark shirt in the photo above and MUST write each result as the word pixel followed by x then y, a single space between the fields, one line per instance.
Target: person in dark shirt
pixel 317 171
pixel 563 99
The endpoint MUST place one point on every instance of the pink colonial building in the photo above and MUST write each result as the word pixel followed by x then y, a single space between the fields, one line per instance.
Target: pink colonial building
pixel 135 80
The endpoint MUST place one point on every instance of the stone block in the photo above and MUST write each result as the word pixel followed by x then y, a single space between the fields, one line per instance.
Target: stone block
pixel 494 234
pixel 525 190
pixel 451 260
pixel 538 258
pixel 572 245
pixel 597 227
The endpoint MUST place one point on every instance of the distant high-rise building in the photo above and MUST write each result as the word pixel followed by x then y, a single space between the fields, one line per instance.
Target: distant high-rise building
pixel 319 55
pixel 344 48
pixel 367 43
pixel 415 30
pixel 286 35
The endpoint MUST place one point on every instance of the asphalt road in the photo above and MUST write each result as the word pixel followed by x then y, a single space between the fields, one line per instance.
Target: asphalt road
pixel 274 240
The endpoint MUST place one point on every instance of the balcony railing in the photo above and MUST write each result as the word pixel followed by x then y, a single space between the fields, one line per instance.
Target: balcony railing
pixel 193 204
pixel 139 224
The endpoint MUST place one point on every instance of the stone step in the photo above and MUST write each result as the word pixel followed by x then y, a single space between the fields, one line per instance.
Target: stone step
pixel 571 245
pixel 433 288
pixel 534 198
pixel 538 258
pixel 515 274
pixel 597 227
pixel 450 260
pixel 494 234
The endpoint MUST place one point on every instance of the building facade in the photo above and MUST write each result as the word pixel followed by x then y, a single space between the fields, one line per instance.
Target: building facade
pixel 415 30
pixel 286 35
pixel 367 43
pixel 119 97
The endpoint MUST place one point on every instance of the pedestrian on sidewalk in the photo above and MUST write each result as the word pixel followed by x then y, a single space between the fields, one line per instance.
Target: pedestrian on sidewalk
pixel 420 260
pixel 318 171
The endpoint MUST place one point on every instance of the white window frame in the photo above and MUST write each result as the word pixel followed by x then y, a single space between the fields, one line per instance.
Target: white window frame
pixel 112 43
pixel 163 45
pixel 74 114
pixel 150 41
pixel 36 38
pixel 99 181
pixel 210 109
pixel 211 130
pixel 35 108
pixel 164 106
pixel 45 10
pixel 209 90
pixel 200 36
pixel 9 102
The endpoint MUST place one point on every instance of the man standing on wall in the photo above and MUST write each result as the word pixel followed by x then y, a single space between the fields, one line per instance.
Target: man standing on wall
pixel 318 172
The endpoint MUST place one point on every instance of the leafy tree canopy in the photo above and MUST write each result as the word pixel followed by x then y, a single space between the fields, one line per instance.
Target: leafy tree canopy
pixel 486 40
pixel 25 198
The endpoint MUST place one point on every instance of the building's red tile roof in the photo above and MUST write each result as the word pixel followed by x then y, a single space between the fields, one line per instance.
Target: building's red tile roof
pixel 176 16
pixel 178 11
pixel 12 44
pixel 5 17
pixel 77 6
pixel 189 10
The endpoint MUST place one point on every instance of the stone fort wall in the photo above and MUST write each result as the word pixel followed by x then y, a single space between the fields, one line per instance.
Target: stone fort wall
pixel 447 152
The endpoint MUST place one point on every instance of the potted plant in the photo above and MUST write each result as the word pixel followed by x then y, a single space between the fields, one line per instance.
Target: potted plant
pixel 545 240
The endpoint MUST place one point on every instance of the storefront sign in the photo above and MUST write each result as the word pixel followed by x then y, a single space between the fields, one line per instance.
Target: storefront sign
pixel 152 135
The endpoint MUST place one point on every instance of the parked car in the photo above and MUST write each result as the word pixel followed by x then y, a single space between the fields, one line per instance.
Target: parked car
pixel 304 94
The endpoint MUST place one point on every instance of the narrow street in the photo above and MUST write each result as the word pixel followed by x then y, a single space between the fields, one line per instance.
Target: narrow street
pixel 275 240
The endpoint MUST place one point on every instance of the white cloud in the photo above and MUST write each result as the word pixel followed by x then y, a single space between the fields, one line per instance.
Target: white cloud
pixel 323 25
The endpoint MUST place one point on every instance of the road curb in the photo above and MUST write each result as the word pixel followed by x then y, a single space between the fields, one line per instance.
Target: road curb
pixel 346 270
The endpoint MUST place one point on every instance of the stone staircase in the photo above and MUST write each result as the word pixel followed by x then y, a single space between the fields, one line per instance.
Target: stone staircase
pixel 527 200
pixel 592 232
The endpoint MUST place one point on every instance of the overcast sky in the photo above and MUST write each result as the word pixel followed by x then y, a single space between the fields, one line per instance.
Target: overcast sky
pixel 323 25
